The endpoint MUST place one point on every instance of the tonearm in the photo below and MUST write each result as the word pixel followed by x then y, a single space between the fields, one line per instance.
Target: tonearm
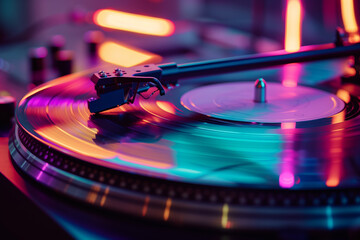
pixel 120 86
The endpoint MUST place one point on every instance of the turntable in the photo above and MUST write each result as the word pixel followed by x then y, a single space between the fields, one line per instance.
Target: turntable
pixel 209 153
pixel 252 146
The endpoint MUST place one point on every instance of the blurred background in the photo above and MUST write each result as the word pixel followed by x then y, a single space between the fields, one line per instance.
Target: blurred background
pixel 41 40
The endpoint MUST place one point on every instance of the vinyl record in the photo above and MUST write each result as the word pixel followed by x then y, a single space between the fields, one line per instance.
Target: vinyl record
pixel 204 154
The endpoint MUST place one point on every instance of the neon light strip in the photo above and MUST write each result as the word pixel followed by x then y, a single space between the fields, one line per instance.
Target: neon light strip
pixel 133 22
pixel 349 20
pixel 293 26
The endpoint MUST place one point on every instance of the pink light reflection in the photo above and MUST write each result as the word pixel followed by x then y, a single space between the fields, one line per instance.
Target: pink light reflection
pixel 286 180
pixel 290 78
pixel 42 171
pixel 287 177
pixel 291 74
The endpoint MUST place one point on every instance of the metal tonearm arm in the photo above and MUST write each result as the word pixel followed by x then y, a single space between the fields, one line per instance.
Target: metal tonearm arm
pixel 118 87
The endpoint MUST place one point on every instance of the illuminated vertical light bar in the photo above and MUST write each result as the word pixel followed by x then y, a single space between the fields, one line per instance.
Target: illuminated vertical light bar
pixel 349 20
pixel 292 40
pixel 130 22
pixel 293 25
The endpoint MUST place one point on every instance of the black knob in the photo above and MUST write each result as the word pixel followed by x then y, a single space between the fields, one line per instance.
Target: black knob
pixel 64 59
pixel 57 43
pixel 7 109
pixel 93 39
pixel 38 65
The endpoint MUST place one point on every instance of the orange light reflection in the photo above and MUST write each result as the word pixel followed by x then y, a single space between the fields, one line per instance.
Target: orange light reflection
pixel 166 106
pixel 133 22
pixel 93 194
pixel 336 146
pixel 103 199
pixel 349 20
pixel 167 209
pixel 145 207
pixel 293 25
pixel 124 55
pixel 335 169
pixel 58 135
pixel 225 215
pixel 343 95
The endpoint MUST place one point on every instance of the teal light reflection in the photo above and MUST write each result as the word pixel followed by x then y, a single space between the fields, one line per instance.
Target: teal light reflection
pixel 330 221
pixel 227 155
pixel 223 155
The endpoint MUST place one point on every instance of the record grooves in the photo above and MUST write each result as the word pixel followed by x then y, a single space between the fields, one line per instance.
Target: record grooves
pixel 180 120
pixel 189 192
pixel 163 161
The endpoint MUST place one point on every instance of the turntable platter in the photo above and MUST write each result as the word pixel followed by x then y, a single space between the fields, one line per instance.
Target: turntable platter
pixel 234 101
